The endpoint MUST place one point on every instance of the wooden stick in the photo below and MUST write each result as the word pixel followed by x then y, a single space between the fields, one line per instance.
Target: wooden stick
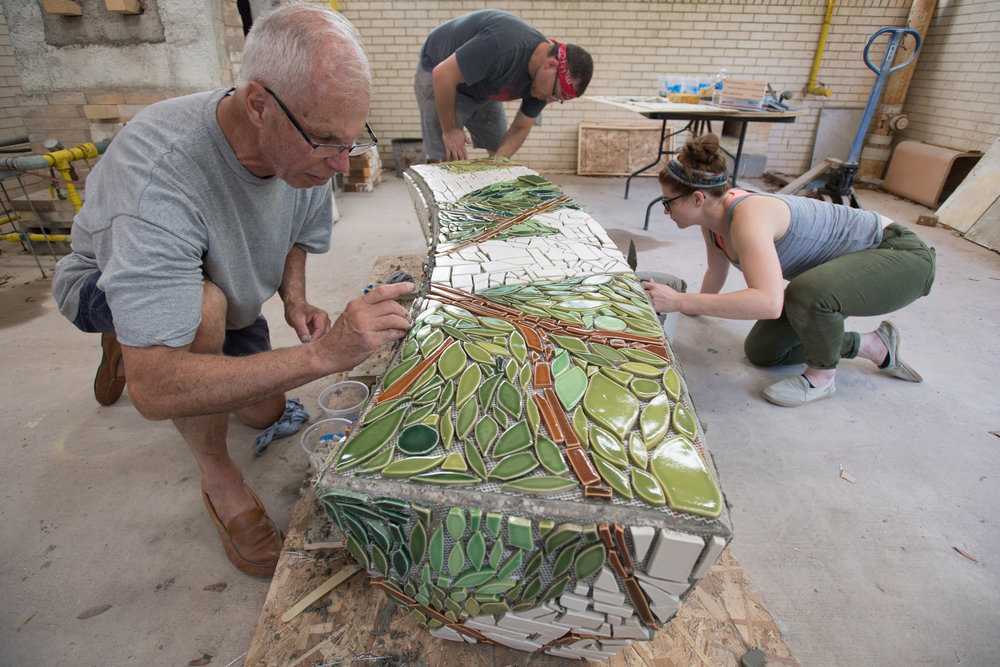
pixel 325 588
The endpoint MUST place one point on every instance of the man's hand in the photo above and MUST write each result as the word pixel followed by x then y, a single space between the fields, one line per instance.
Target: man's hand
pixel 454 143
pixel 309 322
pixel 665 299
pixel 367 323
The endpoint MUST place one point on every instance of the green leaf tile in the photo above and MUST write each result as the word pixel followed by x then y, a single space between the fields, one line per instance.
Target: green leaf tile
pixel 615 478
pixel 518 347
pixel 637 451
pixel 473 577
pixel 519 533
pixel 562 562
pixel 510 372
pixel 589 561
pixel 532 587
pixel 466 419
pixel 511 564
pixel 641 369
pixel 497 586
pixel 540 486
pixel 685 479
pixel 477 353
pixel 475 518
pixel 672 383
pixel 496 553
pixel 509 399
pixel 655 420
pixel 379 534
pixel 555 589
pixel 377 462
pixel 447 398
pixel 609 323
pixel 401 561
pixel 468 384
pixel 513 466
pixel 562 535
pixel 561 363
pixel 524 376
pixel 447 429
pixel 417 415
pixel 476 549
pixel 445 478
pixel 380 561
pixel 514 439
pixel 358 551
pixel 495 350
pixel 398 371
pixel 456 559
pixel 472 606
pixel 500 417
pixel 431 342
pixel 417 439
pixel 570 386
pixel 647 488
pixel 684 422
pixel 456 523
pixel 611 405
pixel 418 542
pixel 411 466
pixel 429 396
pixel 531 410
pixel 486 432
pixel 608 447
pixel 486 390
pixel 381 409
pixel 580 426
pixel 645 388
pixel 369 440
pixel 645 357
pixel 475 459
pixel 452 361
pixel 621 377
pixel 550 456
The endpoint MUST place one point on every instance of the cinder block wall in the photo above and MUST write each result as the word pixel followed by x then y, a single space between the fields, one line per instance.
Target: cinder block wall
pixel 954 96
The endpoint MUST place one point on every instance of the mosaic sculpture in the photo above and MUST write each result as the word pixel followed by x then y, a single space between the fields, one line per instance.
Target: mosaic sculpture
pixel 529 471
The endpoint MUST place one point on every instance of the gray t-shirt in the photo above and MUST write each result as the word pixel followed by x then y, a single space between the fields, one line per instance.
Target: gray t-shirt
pixel 817 232
pixel 493 49
pixel 170 205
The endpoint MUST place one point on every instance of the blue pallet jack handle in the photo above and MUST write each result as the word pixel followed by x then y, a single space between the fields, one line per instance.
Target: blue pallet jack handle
pixel 882 72
pixel 840 183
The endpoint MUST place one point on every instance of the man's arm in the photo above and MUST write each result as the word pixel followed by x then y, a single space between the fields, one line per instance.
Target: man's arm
pixel 515 135
pixel 308 321
pixel 447 76
pixel 166 382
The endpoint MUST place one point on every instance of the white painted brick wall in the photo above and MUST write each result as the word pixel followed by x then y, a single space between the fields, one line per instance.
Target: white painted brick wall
pixel 633 42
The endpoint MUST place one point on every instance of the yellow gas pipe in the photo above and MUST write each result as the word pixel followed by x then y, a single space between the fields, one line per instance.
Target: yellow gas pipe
pixel 814 87
pixel 61 159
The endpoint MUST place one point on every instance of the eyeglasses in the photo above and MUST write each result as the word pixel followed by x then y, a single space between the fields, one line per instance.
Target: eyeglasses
pixel 556 93
pixel 337 149
pixel 666 202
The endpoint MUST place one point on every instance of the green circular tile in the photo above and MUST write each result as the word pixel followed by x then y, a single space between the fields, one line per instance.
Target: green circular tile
pixel 418 439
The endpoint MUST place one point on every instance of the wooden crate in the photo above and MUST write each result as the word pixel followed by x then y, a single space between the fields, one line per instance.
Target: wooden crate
pixel 618 148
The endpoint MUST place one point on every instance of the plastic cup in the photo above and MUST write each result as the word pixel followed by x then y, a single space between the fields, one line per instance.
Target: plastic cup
pixel 320 438
pixel 343 399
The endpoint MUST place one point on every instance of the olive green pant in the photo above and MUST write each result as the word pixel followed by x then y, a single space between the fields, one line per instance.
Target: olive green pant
pixel 871 282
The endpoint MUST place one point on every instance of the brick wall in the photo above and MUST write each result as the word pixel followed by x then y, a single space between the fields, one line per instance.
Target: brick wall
pixel 955 92
pixel 10 86
pixel 633 42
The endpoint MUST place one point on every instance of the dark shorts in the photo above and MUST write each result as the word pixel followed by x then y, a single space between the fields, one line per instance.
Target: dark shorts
pixel 94 316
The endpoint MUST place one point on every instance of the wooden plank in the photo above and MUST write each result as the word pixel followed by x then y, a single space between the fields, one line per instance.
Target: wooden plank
pixel 617 148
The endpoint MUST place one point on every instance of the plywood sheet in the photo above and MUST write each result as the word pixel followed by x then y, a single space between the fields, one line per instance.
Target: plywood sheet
pixel 618 148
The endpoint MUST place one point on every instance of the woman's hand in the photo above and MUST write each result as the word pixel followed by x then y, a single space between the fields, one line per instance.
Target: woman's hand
pixel 665 299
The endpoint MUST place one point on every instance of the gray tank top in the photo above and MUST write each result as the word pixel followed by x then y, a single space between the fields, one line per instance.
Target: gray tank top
pixel 818 231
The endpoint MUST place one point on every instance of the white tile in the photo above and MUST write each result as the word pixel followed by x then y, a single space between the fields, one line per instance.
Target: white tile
pixel 512 642
pixel 674 555
pixel 677 588
pixel 606 580
pixel 572 601
pixel 444 632
pixel 585 619
pixel 708 557
pixel 609 597
pixel 615 609
pixel 642 538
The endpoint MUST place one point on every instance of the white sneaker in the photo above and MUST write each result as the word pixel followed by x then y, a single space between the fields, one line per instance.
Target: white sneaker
pixel 795 391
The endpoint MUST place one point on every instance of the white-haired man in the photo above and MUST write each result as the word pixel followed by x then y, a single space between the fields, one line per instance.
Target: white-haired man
pixel 203 207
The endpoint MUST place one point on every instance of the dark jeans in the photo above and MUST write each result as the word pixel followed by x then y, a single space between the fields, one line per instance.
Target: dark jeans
pixel 872 282
pixel 94 316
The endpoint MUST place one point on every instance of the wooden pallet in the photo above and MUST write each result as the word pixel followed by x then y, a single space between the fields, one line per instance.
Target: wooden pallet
pixel 720 621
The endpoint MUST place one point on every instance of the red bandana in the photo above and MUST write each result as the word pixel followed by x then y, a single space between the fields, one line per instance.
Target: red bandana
pixel 565 82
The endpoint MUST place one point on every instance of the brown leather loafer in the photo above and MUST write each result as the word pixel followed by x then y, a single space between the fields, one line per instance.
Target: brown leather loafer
pixel 108 385
pixel 251 540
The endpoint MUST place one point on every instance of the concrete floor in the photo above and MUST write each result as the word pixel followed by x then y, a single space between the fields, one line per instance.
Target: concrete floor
pixel 101 509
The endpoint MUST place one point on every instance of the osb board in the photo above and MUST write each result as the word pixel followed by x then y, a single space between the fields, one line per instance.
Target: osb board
pixel 720 621
pixel 618 148
pixel 384 267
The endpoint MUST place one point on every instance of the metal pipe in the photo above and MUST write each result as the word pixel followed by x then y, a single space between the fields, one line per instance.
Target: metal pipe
pixel 813 87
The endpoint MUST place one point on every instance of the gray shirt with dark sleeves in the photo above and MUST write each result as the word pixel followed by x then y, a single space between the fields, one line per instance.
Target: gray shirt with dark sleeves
pixel 493 49
pixel 170 205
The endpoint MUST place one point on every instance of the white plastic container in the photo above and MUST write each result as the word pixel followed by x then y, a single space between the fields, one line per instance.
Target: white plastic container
pixel 322 437
pixel 343 399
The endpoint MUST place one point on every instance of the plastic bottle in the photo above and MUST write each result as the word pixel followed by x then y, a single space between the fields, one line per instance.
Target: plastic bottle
pixel 720 81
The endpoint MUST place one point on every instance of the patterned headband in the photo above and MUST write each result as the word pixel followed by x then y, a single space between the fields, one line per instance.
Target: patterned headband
pixel 565 81
pixel 698 179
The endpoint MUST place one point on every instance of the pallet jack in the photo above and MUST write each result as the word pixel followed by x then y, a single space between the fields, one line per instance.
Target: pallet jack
pixel 833 180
